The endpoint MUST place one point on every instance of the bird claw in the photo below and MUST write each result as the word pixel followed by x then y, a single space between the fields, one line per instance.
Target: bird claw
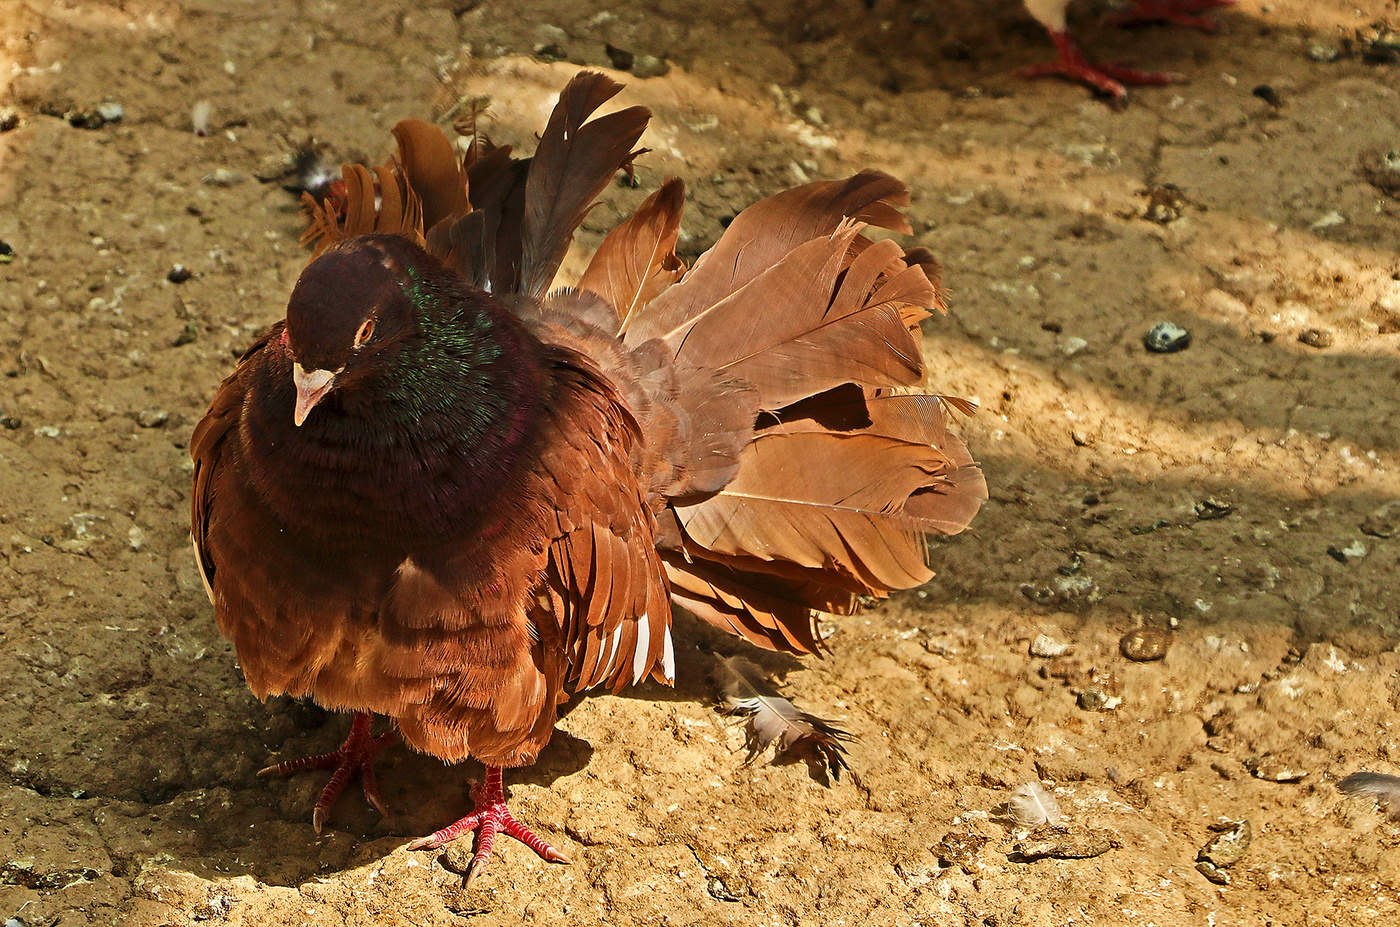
pixel 353 757
pixel 489 817
pixel 1109 79
pixel 1177 12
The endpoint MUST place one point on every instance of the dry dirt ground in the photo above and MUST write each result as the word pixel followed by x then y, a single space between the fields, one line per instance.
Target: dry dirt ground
pixel 1237 495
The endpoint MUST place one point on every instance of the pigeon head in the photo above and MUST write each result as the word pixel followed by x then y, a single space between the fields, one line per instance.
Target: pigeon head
pixel 350 313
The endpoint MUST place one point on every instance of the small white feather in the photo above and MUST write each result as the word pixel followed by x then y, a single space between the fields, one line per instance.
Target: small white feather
pixel 668 657
pixel 1030 806
pixel 639 653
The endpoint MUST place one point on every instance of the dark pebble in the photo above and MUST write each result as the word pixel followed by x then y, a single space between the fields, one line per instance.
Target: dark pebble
pixel 1166 338
pixel 1144 644
pixel 7 253
pixel 1337 554
pixel 1211 509
pixel 1269 95
pixel 12 422
pixel 179 274
pixel 621 58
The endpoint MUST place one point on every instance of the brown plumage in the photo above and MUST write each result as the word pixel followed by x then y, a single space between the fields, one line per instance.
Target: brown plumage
pixel 442 493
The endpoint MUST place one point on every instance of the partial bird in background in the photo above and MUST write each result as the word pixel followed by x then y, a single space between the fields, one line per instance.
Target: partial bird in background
pixel 443 492
pixel 1108 79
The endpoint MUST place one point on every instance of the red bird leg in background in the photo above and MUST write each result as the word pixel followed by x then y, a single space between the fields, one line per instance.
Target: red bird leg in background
pixel 1108 79
pixel 1177 12
pixel 355 756
pixel 489 817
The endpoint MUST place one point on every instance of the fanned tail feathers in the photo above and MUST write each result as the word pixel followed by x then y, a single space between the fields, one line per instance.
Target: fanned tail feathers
pixel 838 481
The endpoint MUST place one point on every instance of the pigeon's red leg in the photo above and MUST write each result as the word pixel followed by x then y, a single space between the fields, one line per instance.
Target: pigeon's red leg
pixel 489 817
pixel 354 757
pixel 1108 79
pixel 1178 12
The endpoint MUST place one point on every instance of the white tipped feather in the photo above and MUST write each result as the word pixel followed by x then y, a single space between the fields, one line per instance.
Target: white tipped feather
pixel 668 657
pixel 639 653
pixel 613 646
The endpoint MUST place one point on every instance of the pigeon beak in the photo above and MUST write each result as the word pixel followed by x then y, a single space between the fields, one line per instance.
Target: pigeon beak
pixel 312 387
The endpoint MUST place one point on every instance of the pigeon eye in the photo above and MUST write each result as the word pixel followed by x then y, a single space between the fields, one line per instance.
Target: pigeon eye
pixel 365 333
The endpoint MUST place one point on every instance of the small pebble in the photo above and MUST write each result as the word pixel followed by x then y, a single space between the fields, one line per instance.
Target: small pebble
pixel 1166 338
pixel 1323 53
pixel 1316 337
pixel 1145 644
pixel 1046 646
pixel 222 177
pixel 1269 95
pixel 621 58
pixel 152 418
pixel 1383 49
pixel 1165 203
pixel 549 34
pixel 1049 842
pixel 1211 509
pixel 7 253
pixel 1272 770
pixel 1353 551
pixel 959 848
pixel 135 538
pixel 1381 168
pixel 1098 700
pixel 1331 219
pixel 201 115
pixel 110 111
pixel 1384 522
pixel 9 118
pixel 188 335
pixel 1071 346
pixel 1227 847
pixel 12 422
pixel 650 66
pixel 179 273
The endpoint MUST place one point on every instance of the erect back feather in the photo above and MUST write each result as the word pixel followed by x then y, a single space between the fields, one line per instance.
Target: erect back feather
pixel 574 161
pixel 427 159
pixel 504 223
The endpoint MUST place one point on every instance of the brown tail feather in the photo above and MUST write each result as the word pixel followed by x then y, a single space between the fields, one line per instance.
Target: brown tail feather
pixel 637 260
pixel 766 232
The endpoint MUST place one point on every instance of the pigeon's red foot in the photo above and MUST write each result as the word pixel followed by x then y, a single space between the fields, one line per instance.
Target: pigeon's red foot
pixel 1107 79
pixel 1177 12
pixel 354 757
pixel 489 817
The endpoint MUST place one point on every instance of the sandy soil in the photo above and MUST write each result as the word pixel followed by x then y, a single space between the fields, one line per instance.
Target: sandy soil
pixel 1238 495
